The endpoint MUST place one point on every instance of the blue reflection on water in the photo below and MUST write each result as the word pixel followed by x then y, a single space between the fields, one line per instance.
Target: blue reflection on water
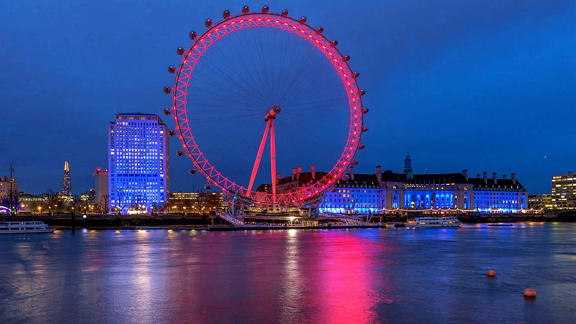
pixel 289 276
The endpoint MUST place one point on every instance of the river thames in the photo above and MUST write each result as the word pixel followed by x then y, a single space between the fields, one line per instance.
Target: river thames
pixel 291 276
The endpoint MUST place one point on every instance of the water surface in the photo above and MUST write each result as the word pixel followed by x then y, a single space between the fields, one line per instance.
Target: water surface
pixel 291 276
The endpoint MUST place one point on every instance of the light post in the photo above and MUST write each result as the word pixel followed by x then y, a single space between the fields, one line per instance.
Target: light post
pixel 39 210
pixel 184 210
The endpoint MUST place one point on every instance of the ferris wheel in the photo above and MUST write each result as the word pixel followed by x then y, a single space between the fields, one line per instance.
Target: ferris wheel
pixel 260 93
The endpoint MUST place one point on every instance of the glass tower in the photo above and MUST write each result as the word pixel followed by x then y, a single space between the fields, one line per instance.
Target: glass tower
pixel 66 185
pixel 137 163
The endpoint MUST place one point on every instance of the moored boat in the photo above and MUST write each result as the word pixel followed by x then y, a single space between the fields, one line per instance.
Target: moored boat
pixel 24 227
pixel 431 222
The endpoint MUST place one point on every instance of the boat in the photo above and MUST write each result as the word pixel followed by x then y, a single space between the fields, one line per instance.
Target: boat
pixel 431 222
pixel 24 227
pixel 500 225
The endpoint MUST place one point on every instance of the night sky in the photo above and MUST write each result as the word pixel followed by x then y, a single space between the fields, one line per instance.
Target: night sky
pixel 480 85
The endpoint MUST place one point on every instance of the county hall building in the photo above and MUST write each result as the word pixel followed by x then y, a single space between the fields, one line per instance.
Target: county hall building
pixel 389 192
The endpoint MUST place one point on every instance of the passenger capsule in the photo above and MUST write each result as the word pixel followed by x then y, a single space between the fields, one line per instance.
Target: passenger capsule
pixel 285 12
pixel 226 14
pixel 355 162
pixel 167 111
pixel 362 92
pixel 334 42
pixel 193 35
pixel 303 19
pixel 364 128
pixel 179 153
pixel 192 171
pixel 208 22
pixel 361 146
pixel 167 90
pixel 207 186
pixel 320 30
pixel 245 9
pixel 365 110
pixel 171 69
pixel 180 50
pixel 265 9
pixel 346 58
pixel 171 132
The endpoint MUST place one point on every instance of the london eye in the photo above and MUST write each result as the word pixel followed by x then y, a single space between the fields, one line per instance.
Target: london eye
pixel 258 94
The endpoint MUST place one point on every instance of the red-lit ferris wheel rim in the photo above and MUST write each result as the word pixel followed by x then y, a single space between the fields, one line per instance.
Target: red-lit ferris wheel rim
pixel 297 27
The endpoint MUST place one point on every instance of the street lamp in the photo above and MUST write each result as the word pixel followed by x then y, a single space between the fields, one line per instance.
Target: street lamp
pixel 184 210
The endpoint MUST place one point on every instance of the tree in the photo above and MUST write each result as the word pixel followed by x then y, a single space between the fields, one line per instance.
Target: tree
pixel 105 203
pixel 50 201
pixel 33 207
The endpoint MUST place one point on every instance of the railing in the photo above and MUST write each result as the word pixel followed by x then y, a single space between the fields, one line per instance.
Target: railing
pixel 231 219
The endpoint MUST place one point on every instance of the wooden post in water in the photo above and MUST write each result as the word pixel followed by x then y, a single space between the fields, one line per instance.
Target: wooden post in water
pixel 73 222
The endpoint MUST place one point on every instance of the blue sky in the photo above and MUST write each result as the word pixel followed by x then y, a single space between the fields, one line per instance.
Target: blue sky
pixel 477 85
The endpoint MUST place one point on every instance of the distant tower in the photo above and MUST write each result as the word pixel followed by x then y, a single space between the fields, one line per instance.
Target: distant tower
pixel 408 167
pixel 66 184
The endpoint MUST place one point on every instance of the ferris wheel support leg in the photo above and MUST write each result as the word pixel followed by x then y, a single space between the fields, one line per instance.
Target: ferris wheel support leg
pixel 273 159
pixel 258 158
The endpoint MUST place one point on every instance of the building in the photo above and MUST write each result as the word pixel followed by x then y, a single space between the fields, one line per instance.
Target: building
pixel 196 202
pixel 563 195
pixel 137 163
pixel 8 185
pixel 101 188
pixel 389 192
pixel 31 203
pixel 547 201
pixel 88 197
pixel 66 192
pixel 536 201
pixel 355 194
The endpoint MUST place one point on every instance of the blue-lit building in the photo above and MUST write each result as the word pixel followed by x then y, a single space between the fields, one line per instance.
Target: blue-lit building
pixel 389 192
pixel 355 194
pixel 137 163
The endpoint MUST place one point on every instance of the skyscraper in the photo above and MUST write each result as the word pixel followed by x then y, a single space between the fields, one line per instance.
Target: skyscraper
pixel 137 163
pixel 66 191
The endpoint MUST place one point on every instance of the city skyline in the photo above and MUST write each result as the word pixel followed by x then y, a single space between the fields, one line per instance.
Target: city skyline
pixel 489 95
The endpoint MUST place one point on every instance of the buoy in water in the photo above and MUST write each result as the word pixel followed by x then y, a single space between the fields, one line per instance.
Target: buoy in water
pixel 529 293
pixel 491 273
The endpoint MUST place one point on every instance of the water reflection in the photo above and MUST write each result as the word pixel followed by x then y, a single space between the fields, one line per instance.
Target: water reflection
pixel 290 276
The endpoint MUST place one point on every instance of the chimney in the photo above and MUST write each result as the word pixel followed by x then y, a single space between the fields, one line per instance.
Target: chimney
pixel 351 173
pixel 513 177
pixel 313 169
pixel 485 175
pixel 298 172
pixel 494 178
pixel 277 178
pixel 293 174
pixel 378 171
pixel 465 174
pixel 478 175
pixel 504 177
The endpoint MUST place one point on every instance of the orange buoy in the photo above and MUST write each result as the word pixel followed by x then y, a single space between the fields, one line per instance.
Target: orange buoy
pixel 529 293
pixel 491 273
